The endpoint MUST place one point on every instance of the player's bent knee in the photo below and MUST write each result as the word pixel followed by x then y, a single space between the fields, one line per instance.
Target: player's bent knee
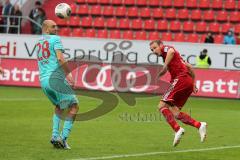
pixel 175 111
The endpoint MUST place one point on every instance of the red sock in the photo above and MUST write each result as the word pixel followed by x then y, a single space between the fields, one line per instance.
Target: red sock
pixel 185 118
pixel 170 118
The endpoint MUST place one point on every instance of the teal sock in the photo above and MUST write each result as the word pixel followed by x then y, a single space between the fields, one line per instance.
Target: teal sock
pixel 56 124
pixel 67 126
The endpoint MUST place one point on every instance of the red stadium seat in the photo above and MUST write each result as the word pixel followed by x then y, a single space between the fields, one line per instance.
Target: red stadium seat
pixel 124 23
pixel 115 34
pixel 175 26
pixel 108 11
pixel 141 3
pixel 141 35
pixel 86 22
pixel 111 23
pixel 127 35
pixel 129 2
pixel 104 2
pixel 99 22
pixel 96 10
pixel 157 13
pixel 183 14
pixel 136 24
pixel 204 4
pixel 192 38
pixel 217 4
pixel 234 17
pixel 120 11
pixel 103 33
pixel 178 3
pixel 74 21
pixel 170 14
pixel 226 27
pixel 91 1
pixel 166 3
pixel 191 4
pixel 153 35
pixel 90 33
pixel 188 26
pixel 117 2
pixel 154 3
pixel 82 10
pixel 237 28
pixel 132 12
pixel 145 13
pixel 196 15
pixel 222 16
pixel 238 5
pixel 74 8
pixel 218 39
pixel 166 36
pixel 80 1
pixel 77 32
pixel 202 38
pixel 230 5
pixel 208 15
pixel 179 37
pixel 214 27
pixel 162 25
pixel 201 27
pixel 149 24
pixel 61 22
pixel 65 32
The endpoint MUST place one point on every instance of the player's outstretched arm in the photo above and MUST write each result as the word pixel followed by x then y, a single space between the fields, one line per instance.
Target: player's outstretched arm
pixel 64 65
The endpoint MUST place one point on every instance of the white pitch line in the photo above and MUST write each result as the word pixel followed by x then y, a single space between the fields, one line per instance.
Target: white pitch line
pixel 157 153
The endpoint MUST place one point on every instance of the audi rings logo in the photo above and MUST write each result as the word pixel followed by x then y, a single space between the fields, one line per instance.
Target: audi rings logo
pixel 112 78
pixel 123 45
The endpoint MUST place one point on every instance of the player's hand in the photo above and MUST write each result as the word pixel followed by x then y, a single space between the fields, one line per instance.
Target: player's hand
pixel 195 89
pixel 161 73
pixel 70 79
pixel 157 77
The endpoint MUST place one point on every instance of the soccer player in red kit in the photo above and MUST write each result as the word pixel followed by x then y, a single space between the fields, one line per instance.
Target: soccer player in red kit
pixel 182 85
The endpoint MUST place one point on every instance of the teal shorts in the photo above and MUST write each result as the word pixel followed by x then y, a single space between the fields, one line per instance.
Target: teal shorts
pixel 59 92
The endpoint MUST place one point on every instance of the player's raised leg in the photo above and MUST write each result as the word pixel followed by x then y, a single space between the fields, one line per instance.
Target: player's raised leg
pixel 164 109
pixel 187 119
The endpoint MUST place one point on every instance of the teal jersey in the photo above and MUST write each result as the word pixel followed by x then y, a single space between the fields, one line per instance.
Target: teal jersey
pixel 46 55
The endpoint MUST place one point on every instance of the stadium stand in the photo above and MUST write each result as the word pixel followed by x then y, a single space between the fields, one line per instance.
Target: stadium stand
pixel 174 20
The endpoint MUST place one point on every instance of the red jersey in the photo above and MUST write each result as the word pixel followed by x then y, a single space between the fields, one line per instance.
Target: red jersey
pixel 176 67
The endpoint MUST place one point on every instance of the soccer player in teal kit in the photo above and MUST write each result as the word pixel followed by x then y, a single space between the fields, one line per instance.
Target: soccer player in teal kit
pixel 50 60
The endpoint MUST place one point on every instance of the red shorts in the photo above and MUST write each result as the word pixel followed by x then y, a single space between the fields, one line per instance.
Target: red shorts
pixel 179 91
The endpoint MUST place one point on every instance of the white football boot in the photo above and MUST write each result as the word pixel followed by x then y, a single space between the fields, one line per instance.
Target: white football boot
pixel 203 131
pixel 178 136
pixel 65 145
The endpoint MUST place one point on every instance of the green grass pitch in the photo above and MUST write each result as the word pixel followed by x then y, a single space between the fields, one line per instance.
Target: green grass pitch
pixel 126 133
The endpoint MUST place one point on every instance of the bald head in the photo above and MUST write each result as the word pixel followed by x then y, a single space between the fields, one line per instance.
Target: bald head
pixel 49 27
